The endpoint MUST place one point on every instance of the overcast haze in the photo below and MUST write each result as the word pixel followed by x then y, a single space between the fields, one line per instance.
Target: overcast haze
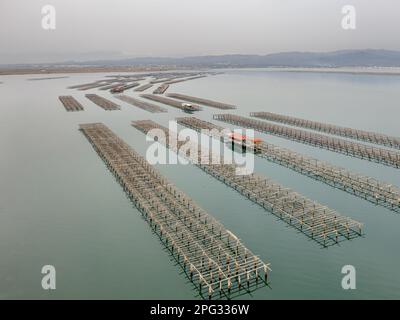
pixel 104 29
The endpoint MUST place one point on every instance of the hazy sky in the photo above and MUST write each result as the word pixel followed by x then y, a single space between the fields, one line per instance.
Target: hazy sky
pixel 87 29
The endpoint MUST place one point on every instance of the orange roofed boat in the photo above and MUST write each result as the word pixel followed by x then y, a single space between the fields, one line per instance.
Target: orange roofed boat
pixel 245 142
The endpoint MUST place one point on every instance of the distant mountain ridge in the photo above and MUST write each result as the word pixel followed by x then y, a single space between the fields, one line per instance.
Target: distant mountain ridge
pixel 342 58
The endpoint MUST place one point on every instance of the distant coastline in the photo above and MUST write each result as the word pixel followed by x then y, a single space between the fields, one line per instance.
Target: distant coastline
pixel 367 61
pixel 77 69
pixel 392 71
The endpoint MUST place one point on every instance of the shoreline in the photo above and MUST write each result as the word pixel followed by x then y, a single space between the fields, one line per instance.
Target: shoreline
pixel 388 71
pixel 391 71
pixel 68 70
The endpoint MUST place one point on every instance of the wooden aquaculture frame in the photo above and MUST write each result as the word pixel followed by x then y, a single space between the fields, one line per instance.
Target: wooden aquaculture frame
pixel 212 257
pixel 320 223
pixel 362 151
pixel 368 188
pixel 103 102
pixel 362 135
pixel 70 103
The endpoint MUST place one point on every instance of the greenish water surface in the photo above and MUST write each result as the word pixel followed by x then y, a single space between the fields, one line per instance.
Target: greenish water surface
pixel 59 205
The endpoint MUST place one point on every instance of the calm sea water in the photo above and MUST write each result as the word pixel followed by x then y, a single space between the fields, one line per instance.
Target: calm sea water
pixel 60 206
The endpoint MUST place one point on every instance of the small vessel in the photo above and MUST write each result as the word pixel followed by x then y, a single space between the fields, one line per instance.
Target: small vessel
pixel 117 89
pixel 188 107
pixel 244 142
